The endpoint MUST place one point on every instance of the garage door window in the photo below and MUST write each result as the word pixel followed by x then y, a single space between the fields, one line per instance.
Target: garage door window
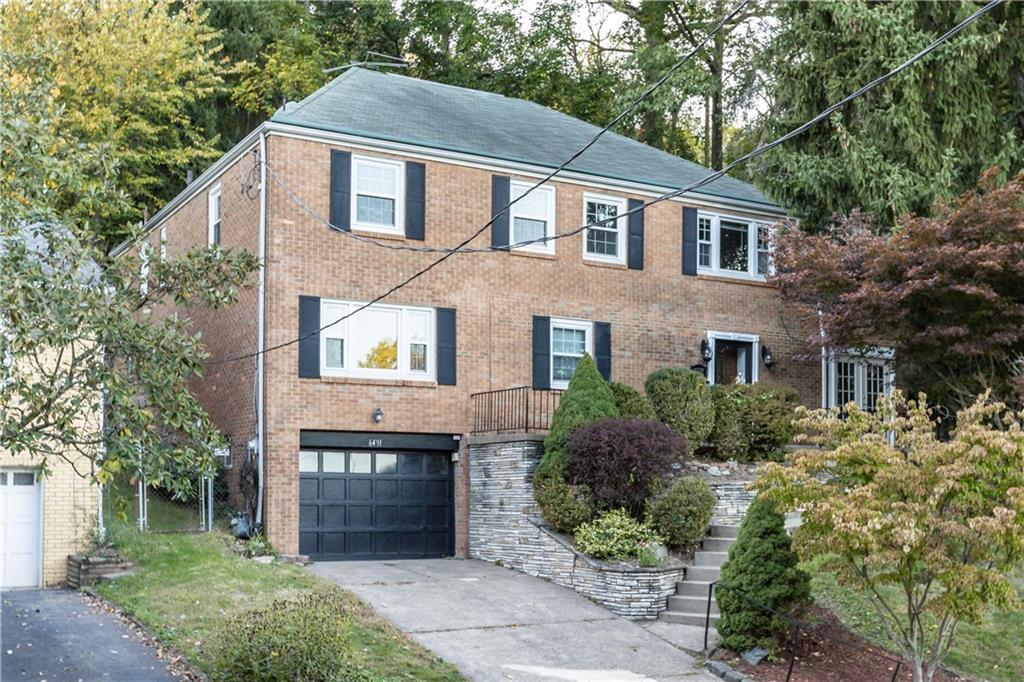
pixel 334 462
pixel 309 462
pixel 387 463
pixel 23 478
pixel 359 463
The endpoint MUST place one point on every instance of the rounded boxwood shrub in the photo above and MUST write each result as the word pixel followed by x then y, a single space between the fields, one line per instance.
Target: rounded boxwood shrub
pixel 761 572
pixel 310 637
pixel 614 535
pixel 752 421
pixel 682 400
pixel 621 461
pixel 631 402
pixel 681 513
pixel 731 432
pixel 564 506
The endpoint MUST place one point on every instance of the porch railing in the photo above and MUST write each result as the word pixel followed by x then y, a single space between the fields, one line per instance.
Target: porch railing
pixel 521 409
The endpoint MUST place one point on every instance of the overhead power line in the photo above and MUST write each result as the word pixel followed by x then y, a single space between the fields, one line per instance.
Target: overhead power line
pixel 825 113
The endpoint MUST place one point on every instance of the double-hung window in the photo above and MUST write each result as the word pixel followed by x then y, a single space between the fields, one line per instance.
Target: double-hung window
pixel 144 270
pixel 735 247
pixel 213 216
pixel 532 217
pixel 605 241
pixel 570 339
pixel 377 194
pixel 859 380
pixel 382 341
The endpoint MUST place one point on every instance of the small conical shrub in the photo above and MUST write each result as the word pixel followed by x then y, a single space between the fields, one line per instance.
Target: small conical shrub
pixel 761 572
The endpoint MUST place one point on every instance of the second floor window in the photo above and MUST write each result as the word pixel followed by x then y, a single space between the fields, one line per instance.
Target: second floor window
pixel 605 241
pixel 213 216
pixel 733 246
pixel 376 190
pixel 533 217
pixel 382 341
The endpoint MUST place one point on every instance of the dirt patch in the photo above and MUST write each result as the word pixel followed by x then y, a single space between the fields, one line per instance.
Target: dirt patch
pixel 829 652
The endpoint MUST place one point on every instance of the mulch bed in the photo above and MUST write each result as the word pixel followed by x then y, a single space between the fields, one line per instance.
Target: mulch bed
pixel 830 652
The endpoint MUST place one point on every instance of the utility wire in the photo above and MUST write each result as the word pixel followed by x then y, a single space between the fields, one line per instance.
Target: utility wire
pixel 664 197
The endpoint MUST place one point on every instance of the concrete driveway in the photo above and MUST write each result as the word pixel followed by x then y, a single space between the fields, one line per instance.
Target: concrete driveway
pixel 497 624
pixel 57 635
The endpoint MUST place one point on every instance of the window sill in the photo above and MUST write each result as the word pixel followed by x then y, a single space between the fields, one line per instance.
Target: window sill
pixel 533 254
pixel 365 381
pixel 734 278
pixel 604 264
pixel 377 234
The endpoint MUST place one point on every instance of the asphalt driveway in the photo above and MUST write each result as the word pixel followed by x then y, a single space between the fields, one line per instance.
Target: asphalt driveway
pixel 58 636
pixel 497 624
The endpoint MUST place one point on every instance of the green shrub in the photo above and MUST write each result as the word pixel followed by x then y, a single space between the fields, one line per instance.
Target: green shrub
pixel 682 400
pixel 632 403
pixel 309 638
pixel 752 421
pixel 614 535
pixel 681 513
pixel 563 505
pixel 763 568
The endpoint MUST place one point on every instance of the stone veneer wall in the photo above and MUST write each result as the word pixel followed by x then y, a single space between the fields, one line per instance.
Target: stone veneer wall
pixel 504 527
pixel 733 501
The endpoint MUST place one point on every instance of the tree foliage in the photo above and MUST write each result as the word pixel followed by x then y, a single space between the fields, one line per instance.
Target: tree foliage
pixel 946 292
pixel 932 530
pixel 925 135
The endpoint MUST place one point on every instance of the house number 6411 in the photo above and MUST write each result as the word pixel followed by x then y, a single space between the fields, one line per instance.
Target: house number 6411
pixel 375 443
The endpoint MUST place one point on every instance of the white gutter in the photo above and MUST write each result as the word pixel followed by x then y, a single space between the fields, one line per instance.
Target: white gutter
pixel 260 305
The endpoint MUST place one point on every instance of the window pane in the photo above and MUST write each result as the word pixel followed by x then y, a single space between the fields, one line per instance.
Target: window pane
pixel 569 341
pixel 563 367
pixel 334 462
pixel 359 463
pixel 527 229
pixel 418 357
pixel 3 478
pixel 533 205
pixel 375 210
pixel 335 353
pixel 373 338
pixel 704 229
pixel 874 386
pixel 704 255
pixel 598 212
pixel 844 383
pixel 23 478
pixel 763 249
pixel 308 461
pixel 387 463
pixel 762 262
pixel 376 179
pixel 602 242
pixel 733 250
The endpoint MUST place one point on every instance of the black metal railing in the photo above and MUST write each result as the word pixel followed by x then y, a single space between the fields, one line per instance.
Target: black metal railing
pixel 514 410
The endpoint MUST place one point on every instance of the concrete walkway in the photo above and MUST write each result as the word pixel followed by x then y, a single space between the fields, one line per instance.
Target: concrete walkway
pixel 57 635
pixel 497 624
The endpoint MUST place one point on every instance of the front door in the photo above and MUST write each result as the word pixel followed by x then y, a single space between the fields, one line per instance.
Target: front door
pixel 734 361
pixel 19 529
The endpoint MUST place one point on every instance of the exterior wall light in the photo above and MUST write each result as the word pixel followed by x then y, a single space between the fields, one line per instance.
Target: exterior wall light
pixel 378 416
pixel 705 350
pixel 767 356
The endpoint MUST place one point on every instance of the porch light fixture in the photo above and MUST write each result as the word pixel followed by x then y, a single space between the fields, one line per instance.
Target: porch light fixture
pixel 767 356
pixel 378 416
pixel 705 350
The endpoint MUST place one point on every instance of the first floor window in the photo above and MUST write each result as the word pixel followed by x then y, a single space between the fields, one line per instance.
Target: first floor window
pixel 377 185
pixel 859 380
pixel 570 339
pixel 381 341
pixel 604 241
pixel 532 217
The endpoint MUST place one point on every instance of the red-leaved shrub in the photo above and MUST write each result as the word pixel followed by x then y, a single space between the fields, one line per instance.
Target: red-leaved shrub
pixel 622 461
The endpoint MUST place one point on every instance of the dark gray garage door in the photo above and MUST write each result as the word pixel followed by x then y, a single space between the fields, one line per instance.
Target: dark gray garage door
pixel 375 504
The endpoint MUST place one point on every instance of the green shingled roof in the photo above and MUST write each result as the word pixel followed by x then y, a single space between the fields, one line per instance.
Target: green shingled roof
pixel 387 106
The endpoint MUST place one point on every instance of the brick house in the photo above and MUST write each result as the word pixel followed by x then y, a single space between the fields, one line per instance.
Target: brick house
pixel 360 427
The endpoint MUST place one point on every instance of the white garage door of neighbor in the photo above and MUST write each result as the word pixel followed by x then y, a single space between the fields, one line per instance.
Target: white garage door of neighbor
pixel 19 529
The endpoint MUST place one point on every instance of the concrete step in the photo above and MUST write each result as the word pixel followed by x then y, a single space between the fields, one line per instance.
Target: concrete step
pixel 704 573
pixel 681 604
pixel 686 618
pixel 705 558
pixel 692 588
pixel 720 531
pixel 717 544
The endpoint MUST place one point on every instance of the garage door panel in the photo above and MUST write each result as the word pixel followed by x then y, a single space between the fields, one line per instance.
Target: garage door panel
pixel 386 504
pixel 308 544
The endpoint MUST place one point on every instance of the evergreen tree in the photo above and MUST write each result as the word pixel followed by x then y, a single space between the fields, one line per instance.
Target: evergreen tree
pixel 925 135
pixel 762 568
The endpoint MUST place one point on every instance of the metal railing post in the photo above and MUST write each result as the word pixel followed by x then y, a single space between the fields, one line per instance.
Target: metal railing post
pixel 897 671
pixel 707 615
pixel 792 654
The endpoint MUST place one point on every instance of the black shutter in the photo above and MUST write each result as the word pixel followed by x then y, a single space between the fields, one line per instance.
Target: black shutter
pixel 603 349
pixel 341 190
pixel 541 352
pixel 415 200
pixel 635 248
pixel 501 194
pixel 446 359
pixel 309 336
pixel 689 241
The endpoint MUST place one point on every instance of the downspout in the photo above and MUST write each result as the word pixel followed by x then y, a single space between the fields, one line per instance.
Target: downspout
pixel 261 297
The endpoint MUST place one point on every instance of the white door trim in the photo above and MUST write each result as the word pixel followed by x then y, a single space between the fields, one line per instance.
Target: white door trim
pixel 752 339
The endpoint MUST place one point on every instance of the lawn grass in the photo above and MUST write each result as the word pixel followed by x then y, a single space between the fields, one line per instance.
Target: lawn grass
pixel 187 585
pixel 991 651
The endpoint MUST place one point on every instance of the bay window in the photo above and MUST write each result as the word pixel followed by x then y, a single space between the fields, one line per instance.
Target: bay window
pixel 532 217
pixel 382 341
pixel 736 247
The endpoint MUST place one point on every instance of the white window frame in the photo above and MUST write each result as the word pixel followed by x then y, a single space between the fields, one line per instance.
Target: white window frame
pixel 214 216
pixel 621 228
pixel 330 308
pixel 716 245
pixel 223 455
pixel 547 191
pixel 144 269
pixel 399 196
pixel 881 357
pixel 565 323
pixel 755 361
pixel 163 242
